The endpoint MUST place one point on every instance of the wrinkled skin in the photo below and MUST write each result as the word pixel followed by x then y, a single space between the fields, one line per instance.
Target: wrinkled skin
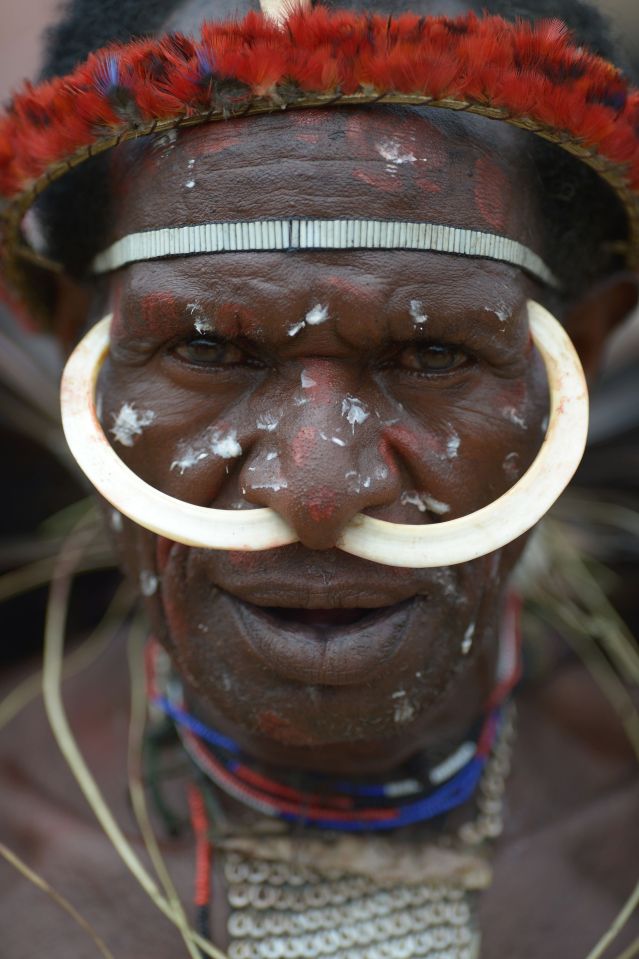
pixel 419 380
pixel 565 863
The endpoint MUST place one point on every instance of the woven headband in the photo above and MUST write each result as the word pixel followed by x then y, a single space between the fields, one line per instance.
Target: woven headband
pixel 297 234
pixel 531 76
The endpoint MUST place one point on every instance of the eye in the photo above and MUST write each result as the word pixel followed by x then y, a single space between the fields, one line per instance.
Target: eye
pixel 431 358
pixel 207 351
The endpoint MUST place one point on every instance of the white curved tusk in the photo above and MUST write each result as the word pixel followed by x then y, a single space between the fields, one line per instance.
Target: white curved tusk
pixel 392 544
pixel 524 504
pixel 165 515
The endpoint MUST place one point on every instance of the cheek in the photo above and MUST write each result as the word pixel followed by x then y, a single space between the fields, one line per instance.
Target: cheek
pixel 178 440
pixel 457 453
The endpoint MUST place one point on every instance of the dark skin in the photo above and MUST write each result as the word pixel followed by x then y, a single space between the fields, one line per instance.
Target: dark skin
pixel 465 375
pixel 451 408
pixel 308 646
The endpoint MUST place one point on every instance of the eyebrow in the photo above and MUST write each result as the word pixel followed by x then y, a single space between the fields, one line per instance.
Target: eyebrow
pixel 293 234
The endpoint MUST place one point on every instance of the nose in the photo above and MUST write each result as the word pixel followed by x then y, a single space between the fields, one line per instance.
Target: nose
pixel 323 459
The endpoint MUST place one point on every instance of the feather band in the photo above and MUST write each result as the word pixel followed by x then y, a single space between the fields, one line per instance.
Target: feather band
pixel 532 76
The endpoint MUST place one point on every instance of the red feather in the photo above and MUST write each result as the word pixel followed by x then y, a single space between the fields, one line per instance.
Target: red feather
pixel 531 71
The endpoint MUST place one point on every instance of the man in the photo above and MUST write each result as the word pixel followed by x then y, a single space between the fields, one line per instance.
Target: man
pixel 323 384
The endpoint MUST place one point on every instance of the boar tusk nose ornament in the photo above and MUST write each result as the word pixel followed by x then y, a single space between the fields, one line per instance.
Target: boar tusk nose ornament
pixel 391 544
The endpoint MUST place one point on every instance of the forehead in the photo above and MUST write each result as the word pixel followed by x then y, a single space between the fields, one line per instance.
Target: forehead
pixel 380 163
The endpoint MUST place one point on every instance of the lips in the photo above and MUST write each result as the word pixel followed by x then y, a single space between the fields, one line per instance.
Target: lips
pixel 327 647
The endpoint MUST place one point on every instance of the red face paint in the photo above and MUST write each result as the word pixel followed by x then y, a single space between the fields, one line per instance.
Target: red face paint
pixel 311 138
pixel 209 146
pixel 412 445
pixel 303 444
pixel 156 311
pixel 492 192
pixel 427 185
pixel 386 182
pixel 272 725
pixel 321 503
pixel 234 319
pixel 386 453
pixel 163 548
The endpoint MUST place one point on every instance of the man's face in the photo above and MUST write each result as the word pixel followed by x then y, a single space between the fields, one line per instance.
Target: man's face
pixel 403 385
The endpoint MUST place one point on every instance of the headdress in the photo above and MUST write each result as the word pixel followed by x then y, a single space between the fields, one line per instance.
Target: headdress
pixel 532 76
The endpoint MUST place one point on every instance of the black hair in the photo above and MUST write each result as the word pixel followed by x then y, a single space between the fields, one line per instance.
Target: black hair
pixel 583 221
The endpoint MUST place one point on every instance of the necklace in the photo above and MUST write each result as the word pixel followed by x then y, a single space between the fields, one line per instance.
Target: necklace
pixel 326 802
pixel 287 909
pixel 348 895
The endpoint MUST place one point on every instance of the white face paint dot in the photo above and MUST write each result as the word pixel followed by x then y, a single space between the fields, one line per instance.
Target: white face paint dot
pixel 452 445
pixel 215 442
pixel 403 712
pixel 275 485
pixel 467 641
pixel 129 424
pixel 424 502
pixel 148 583
pixel 296 328
pixel 307 381
pixel 510 466
pixel 318 314
pixel 514 417
pixel 201 324
pixel 354 410
pixel 501 311
pixel 226 445
pixel 393 152
pixel 417 312
pixel 268 423
pixel 189 184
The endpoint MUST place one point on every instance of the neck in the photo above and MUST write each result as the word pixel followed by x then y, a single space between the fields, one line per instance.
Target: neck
pixel 432 782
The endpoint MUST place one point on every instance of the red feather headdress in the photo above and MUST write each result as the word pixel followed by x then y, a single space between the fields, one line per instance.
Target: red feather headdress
pixel 532 76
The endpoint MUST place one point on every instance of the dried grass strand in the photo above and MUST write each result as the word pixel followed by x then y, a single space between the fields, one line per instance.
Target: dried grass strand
pixel 570 600
pixel 616 927
pixel 81 658
pixel 66 564
pixel 56 897
pixel 136 787
pixel 39 573
pixel 631 951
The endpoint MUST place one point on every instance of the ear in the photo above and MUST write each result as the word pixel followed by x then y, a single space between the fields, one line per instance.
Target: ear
pixel 592 318
pixel 70 310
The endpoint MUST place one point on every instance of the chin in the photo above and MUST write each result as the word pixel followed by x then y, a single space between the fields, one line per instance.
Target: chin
pixel 369 690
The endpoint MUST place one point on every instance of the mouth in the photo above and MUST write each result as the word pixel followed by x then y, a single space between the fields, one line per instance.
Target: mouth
pixel 320 646
pixel 322 619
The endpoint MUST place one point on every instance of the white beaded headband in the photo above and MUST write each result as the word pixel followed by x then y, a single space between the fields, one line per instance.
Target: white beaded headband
pixel 249 236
